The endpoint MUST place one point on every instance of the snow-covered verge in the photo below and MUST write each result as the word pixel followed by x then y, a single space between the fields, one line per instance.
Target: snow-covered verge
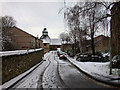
pixel 18 52
pixel 98 70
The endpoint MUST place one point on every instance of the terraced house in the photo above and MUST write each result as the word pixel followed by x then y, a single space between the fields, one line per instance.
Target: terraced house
pixel 23 40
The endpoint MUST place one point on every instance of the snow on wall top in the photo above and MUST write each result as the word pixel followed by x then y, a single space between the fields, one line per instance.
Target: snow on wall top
pixel 56 42
pixel 18 52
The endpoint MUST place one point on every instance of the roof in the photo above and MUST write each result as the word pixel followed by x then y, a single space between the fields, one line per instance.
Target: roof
pixel 65 42
pixel 46 39
pixel 56 42
pixel 23 31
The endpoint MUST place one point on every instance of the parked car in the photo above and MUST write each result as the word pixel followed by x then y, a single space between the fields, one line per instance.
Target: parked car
pixel 116 61
pixel 89 57
pixel 83 58
pixel 95 58
pixel 59 53
pixel 63 56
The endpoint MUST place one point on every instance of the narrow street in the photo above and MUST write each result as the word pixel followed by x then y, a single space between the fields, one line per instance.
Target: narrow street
pixel 57 73
pixel 37 37
pixel 66 75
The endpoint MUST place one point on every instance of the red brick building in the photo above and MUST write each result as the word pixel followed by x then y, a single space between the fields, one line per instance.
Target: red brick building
pixel 24 40
pixel 101 43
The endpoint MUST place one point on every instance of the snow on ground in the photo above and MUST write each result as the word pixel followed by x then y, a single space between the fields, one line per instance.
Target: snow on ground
pixel 12 81
pixel 31 82
pixel 100 69
pixel 18 52
pixel 49 77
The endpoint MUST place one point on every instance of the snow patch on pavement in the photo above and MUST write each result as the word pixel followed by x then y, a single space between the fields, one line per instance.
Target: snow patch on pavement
pixel 97 69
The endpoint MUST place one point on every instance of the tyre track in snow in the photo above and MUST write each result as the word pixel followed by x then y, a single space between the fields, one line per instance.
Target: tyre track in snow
pixel 40 83
pixel 51 77
pixel 45 75
pixel 58 73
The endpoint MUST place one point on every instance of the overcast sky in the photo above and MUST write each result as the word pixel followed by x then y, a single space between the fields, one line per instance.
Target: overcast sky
pixel 32 17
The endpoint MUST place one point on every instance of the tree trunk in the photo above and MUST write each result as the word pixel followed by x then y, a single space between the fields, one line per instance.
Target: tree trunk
pixel 92 39
pixel 92 44
pixel 75 48
pixel 92 34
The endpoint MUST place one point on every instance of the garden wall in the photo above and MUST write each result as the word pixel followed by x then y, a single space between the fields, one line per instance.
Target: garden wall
pixel 14 65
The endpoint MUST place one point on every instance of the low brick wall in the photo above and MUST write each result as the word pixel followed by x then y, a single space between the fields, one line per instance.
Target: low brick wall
pixel 0 71
pixel 14 65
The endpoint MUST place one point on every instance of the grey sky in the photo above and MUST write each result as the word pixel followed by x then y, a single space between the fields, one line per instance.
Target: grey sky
pixel 32 17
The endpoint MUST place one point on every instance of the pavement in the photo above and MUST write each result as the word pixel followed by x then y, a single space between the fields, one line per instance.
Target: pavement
pixel 18 78
pixel 115 81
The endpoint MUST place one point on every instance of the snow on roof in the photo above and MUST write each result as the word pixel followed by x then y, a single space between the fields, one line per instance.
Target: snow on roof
pixel 56 42
pixel 46 40
pixel 17 52
pixel 65 42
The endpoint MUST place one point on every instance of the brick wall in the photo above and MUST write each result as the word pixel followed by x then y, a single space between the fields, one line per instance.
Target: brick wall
pixel 0 70
pixel 14 65
pixel 24 40
pixel 102 44
pixel 46 47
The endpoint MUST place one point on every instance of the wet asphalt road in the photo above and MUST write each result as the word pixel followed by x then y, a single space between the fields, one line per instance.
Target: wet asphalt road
pixel 62 74
pixel 57 73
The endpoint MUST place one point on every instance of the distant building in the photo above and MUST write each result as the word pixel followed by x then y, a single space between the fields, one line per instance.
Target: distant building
pixel 24 40
pixel 67 46
pixel 48 43
pixel 101 43
pixel 55 43
pixel 46 40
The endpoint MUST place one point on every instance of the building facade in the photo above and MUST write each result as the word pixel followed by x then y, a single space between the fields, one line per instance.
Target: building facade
pixel 101 43
pixel 48 43
pixel 24 40
pixel 55 43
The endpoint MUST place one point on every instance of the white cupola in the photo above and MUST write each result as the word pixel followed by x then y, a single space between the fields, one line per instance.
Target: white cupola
pixel 45 32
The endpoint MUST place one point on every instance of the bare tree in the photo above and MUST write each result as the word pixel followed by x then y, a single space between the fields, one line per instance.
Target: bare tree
pixel 62 36
pixel 93 14
pixel 65 39
pixel 7 23
pixel 77 29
